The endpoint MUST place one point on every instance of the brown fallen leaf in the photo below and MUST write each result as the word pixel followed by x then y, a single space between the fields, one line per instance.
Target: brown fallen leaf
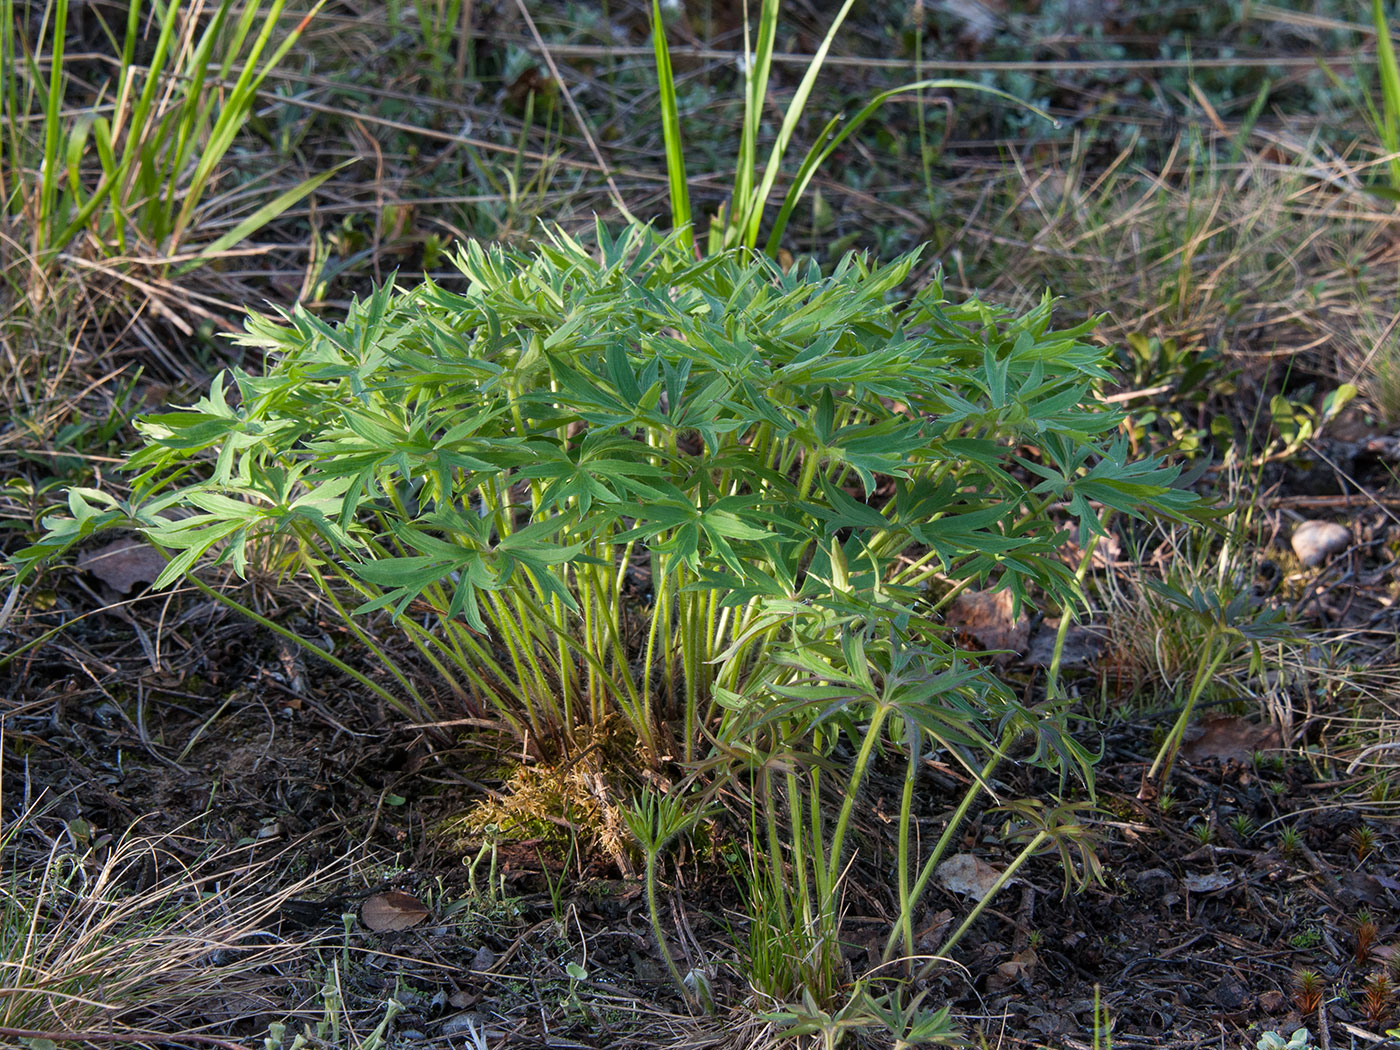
pixel 1227 738
pixel 124 564
pixel 1015 970
pixel 1209 882
pixel 966 874
pixel 931 935
pixel 986 617
pixel 392 911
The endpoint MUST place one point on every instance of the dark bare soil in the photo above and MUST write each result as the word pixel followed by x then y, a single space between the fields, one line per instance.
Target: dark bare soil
pixel 169 715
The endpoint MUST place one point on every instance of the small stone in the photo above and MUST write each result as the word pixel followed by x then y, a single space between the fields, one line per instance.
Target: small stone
pixel 1316 541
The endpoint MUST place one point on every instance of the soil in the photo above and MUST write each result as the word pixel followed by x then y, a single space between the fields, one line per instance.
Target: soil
pixel 169 715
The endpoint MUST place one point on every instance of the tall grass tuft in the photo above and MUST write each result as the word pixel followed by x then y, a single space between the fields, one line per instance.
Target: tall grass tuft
pixel 126 169
pixel 739 222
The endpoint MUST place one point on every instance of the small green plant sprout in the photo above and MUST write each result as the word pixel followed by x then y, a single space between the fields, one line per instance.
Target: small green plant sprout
pixel 1363 842
pixel 1242 826
pixel 1289 841
pixel 1103 1024
pixel 1224 627
pixel 1308 938
pixel 1203 831
pixel 911 1023
pixel 1299 1040
pixel 739 222
pixel 576 973
pixel 655 821
pixel 1297 423
pixel 864 1011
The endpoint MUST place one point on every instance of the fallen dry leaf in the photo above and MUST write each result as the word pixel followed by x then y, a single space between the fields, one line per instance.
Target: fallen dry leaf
pixel 1227 738
pixel 971 876
pixel 986 617
pixel 1209 882
pixel 392 911
pixel 929 937
pixel 124 564
pixel 1016 969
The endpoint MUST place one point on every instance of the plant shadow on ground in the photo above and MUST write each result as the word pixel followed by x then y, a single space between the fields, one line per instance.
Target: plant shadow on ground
pixel 1262 862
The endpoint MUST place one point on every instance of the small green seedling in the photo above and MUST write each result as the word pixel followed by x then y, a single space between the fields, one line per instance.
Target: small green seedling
pixel 1299 1040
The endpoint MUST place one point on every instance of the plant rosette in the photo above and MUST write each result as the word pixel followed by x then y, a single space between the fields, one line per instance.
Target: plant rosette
pixel 784 455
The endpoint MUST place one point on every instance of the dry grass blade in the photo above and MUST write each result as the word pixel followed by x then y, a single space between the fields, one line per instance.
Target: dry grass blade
pixel 573 108
pixel 902 65
pixel 135 942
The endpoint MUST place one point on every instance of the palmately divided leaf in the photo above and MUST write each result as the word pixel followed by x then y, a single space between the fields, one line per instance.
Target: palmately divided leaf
pixel 789 456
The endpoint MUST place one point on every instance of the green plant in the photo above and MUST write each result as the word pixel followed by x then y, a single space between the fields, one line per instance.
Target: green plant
pixel 1103 1024
pixel 789 460
pixel 863 695
pixel 1299 1040
pixel 1223 626
pixel 1155 646
pixel 334 1023
pixel 865 1011
pixel 1183 376
pixel 131 171
pixel 1386 121
pixel 655 822
pixel 1242 826
pixel 738 223
pixel 1289 841
pixel 1308 987
pixel 1304 939
pixel 1298 423
pixel 493 468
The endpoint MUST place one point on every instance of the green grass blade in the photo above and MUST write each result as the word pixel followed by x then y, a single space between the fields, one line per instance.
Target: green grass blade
pixel 828 143
pixel 1389 125
pixel 261 217
pixel 755 204
pixel 758 68
pixel 671 128
pixel 235 112
pixel 132 122
pixel 195 108
pixel 53 105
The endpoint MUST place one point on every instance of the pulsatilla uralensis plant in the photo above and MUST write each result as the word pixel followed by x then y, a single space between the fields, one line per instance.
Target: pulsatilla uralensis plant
pixel 619 485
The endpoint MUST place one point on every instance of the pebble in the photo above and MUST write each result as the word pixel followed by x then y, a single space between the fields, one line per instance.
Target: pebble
pixel 1316 541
